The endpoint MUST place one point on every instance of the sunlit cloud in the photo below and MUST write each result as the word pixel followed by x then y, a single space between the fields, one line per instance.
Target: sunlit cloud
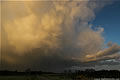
pixel 35 30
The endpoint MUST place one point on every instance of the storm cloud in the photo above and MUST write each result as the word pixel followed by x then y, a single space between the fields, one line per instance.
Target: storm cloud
pixel 37 34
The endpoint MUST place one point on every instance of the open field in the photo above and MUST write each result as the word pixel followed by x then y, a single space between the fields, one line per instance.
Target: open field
pixel 47 77
pixel 31 78
pixel 35 77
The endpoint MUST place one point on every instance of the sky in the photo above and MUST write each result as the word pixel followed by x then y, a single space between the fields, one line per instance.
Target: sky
pixel 109 18
pixel 55 35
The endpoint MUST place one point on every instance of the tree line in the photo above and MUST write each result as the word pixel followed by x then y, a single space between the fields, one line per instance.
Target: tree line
pixel 90 73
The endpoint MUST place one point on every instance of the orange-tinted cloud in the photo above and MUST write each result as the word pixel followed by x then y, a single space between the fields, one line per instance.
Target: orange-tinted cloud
pixel 50 28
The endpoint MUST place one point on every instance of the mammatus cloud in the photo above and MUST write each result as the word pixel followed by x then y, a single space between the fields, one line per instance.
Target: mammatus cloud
pixel 42 30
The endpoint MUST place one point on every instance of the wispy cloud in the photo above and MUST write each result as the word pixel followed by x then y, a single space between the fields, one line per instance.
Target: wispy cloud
pixel 110 52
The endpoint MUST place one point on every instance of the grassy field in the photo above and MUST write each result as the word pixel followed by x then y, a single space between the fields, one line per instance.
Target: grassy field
pixel 35 77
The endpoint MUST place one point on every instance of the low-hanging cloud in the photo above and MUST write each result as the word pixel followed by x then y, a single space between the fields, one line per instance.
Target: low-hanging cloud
pixel 42 30
pixel 110 52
